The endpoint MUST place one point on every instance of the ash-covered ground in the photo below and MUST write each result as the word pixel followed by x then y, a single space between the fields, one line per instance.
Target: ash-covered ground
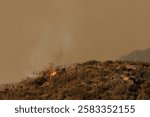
pixel 92 80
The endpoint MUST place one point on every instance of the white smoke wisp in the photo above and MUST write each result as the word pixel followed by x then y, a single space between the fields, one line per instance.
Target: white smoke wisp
pixel 55 40
pixel 52 46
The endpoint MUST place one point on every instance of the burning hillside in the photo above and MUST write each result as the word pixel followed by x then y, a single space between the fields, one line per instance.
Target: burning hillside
pixel 89 80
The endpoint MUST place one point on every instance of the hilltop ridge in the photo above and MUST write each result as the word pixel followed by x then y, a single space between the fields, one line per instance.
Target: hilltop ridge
pixel 137 55
pixel 89 80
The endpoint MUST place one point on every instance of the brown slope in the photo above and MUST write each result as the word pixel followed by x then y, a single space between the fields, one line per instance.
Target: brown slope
pixel 89 80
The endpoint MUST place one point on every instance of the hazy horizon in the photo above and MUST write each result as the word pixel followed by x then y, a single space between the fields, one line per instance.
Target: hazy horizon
pixel 34 33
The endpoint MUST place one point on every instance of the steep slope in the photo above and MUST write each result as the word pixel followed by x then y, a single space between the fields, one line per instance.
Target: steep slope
pixel 89 80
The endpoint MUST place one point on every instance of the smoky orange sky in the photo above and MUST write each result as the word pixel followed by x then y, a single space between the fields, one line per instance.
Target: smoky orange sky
pixel 34 33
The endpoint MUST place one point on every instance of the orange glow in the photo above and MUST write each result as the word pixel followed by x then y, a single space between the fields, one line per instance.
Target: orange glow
pixel 53 73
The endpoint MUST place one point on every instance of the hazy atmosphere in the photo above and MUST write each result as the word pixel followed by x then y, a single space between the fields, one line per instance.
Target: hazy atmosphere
pixel 34 33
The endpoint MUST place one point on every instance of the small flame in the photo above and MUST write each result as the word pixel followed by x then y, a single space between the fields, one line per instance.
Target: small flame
pixel 53 73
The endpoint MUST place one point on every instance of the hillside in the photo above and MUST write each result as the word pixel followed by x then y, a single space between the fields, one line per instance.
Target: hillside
pixel 137 55
pixel 89 80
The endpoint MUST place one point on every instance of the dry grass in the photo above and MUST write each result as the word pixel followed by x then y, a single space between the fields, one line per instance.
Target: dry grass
pixel 89 80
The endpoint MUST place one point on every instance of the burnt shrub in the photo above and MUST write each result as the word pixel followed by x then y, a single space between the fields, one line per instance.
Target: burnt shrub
pixel 145 91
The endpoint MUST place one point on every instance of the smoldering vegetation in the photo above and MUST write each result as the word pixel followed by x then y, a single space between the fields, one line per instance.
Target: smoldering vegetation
pixel 84 81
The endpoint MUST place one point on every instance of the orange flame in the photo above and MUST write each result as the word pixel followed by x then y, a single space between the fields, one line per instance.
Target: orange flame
pixel 53 73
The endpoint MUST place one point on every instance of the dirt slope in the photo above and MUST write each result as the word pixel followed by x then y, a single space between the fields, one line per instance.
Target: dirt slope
pixel 89 80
